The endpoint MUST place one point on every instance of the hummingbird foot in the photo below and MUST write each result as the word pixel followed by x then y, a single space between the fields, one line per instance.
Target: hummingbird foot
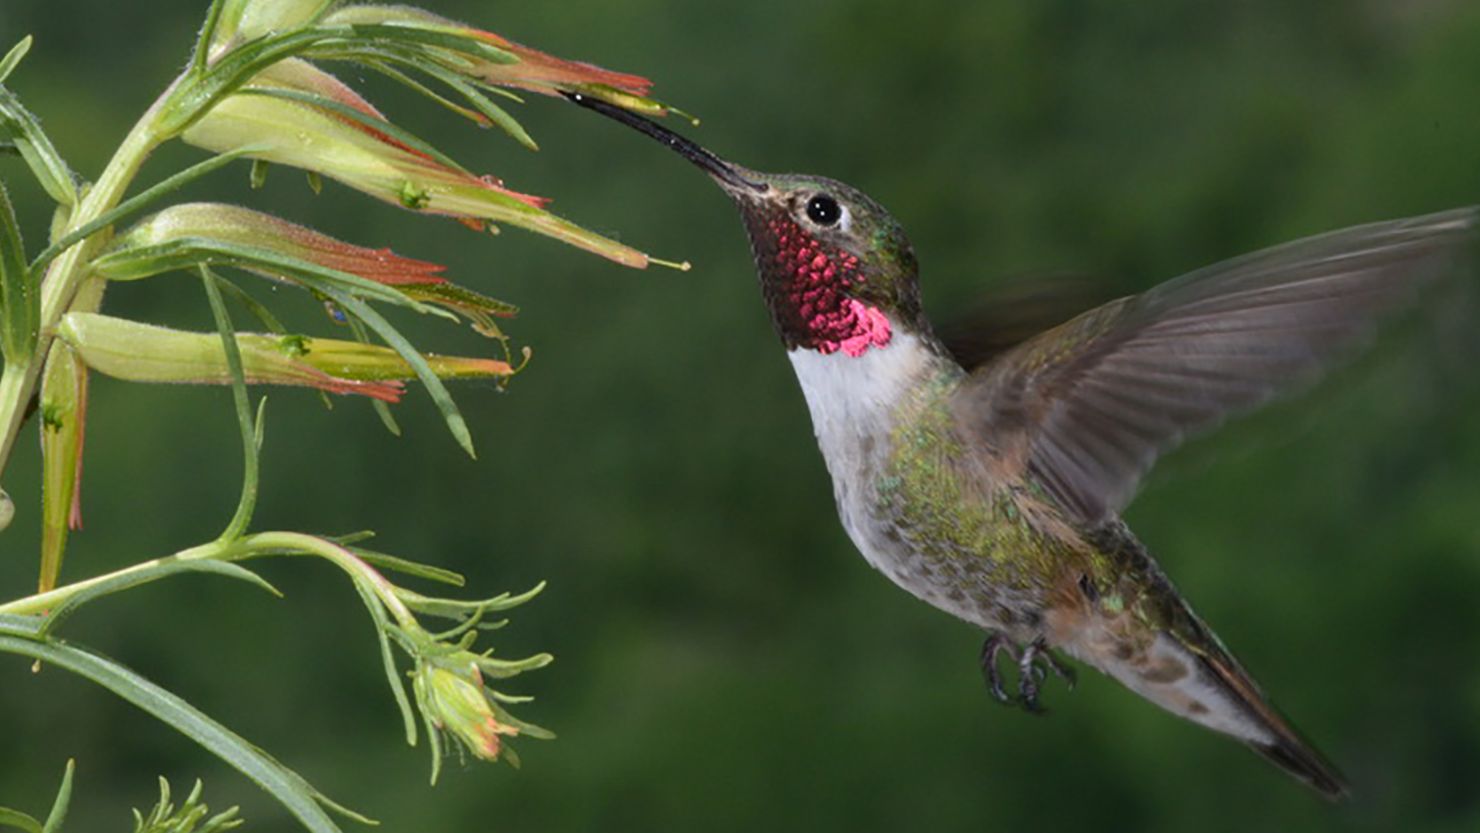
pixel 996 645
pixel 1034 663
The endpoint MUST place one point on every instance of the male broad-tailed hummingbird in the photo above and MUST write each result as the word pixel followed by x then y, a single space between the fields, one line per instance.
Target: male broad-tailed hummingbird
pixel 992 488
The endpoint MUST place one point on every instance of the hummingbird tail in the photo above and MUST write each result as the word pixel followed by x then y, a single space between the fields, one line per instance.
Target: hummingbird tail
pixel 1282 745
pixel 1201 682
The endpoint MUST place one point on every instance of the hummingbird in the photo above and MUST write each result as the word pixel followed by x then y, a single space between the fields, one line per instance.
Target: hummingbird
pixel 991 486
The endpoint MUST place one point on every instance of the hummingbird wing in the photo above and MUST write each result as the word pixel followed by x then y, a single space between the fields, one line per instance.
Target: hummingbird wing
pixel 1086 408
pixel 1013 312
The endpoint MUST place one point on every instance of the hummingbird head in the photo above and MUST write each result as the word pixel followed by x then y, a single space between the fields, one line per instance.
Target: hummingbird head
pixel 836 270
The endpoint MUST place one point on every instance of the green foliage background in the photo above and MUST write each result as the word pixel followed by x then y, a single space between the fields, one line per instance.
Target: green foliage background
pixel 725 660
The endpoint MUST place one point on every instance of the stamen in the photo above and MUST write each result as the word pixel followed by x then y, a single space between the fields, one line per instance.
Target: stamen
pixel 682 267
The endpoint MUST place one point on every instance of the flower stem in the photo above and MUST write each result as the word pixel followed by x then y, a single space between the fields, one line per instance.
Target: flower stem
pixel 41 602
pixel 295 543
pixel 240 549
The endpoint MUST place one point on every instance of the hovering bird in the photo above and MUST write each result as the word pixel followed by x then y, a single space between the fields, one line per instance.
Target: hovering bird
pixel 992 489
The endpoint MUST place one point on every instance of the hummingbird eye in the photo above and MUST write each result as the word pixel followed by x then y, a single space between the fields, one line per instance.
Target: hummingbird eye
pixel 824 210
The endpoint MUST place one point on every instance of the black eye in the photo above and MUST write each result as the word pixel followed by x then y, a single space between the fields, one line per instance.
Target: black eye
pixel 824 210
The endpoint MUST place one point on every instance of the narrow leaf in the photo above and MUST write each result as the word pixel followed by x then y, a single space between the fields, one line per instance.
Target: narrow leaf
pixel 464 44
pixel 382 410
pixel 290 789
pixel 41 156
pixel 58 815
pixel 19 820
pixel 248 502
pixel 408 567
pixel 13 57
pixel 207 37
pixel 494 113
pixel 134 578
pixel 393 338
pixel 255 307
pixel 388 659
pixel 18 291
pixel 410 83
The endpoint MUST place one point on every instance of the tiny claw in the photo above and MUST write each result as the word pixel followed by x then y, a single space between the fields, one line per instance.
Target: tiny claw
pixel 995 645
pixel 1033 665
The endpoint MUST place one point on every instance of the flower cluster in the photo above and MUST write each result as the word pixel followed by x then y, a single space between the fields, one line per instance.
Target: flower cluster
pixel 257 89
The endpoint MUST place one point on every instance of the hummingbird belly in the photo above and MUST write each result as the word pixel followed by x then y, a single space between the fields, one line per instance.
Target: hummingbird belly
pixel 912 501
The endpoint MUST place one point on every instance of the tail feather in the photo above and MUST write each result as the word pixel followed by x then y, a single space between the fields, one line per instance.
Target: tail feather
pixel 1284 748
pixel 1199 681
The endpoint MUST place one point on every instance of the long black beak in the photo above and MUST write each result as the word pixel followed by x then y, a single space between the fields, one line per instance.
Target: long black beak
pixel 723 172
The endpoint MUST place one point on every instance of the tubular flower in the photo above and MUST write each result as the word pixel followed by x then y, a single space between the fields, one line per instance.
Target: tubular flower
pixel 296 114
pixel 530 70
pixel 242 227
pixel 138 352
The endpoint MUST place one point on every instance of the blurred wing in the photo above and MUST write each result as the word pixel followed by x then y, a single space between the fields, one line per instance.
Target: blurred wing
pixel 1087 407
pixel 1013 312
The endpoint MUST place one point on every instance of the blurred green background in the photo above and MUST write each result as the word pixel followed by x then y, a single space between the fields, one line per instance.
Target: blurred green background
pixel 725 660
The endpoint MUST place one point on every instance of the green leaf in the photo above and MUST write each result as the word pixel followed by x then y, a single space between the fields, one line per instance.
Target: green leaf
pixel 382 410
pixel 461 609
pixel 483 107
pixel 407 567
pixel 137 202
pixel 255 307
pixel 288 787
pixel 13 57
pixel 207 35
pixel 231 71
pixel 58 814
pixel 393 338
pixel 19 820
pixel 384 68
pixel 164 568
pixel 451 41
pixel 17 123
pixel 190 817
pixel 18 292
pixel 248 502
pixel 244 62
pixel 388 659
pixel 478 308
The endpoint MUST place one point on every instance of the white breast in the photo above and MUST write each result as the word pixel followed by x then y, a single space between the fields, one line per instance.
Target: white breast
pixel 853 400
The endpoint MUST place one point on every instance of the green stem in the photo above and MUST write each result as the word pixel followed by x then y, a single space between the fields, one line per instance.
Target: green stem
pixel 241 549
pixel 302 543
pixel 69 270
pixel 40 603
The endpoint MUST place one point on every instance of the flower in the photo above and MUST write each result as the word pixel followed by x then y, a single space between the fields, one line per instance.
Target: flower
pixel 452 699
pixel 528 69
pixel 139 352
pixel 233 225
pixel 296 114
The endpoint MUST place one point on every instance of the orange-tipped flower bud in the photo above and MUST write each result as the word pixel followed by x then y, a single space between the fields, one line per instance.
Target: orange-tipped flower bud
pixel 139 352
